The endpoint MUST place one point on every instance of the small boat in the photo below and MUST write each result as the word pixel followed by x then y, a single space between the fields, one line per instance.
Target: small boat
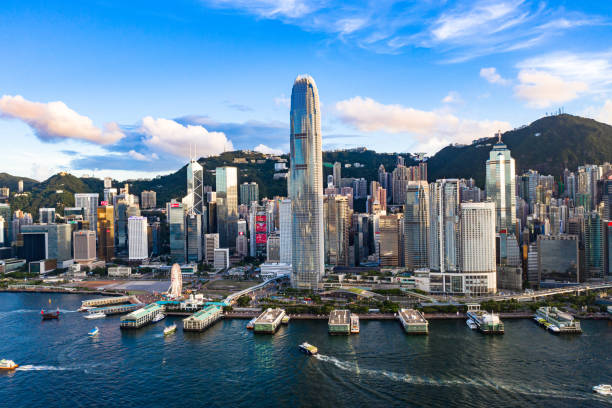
pixel 603 389
pixel 98 315
pixel 93 332
pixel 285 319
pixel 169 330
pixel 8 365
pixel 47 315
pixel 470 323
pixel 158 317
pixel 251 324
pixel 308 349
pixel 554 328
pixel 354 324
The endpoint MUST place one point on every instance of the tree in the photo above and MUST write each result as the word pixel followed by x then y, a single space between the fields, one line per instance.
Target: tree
pixel 243 301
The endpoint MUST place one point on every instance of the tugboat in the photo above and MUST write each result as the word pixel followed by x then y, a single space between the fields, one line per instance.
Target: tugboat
pixel 8 365
pixel 308 349
pixel 47 315
pixel 93 332
pixel 603 389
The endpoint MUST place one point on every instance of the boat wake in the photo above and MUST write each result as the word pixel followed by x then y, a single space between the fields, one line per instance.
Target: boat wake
pixel 19 311
pixel 42 368
pixel 411 379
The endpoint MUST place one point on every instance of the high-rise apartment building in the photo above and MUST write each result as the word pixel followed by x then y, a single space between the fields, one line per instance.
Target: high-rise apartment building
pixel 148 199
pixel 416 225
pixel 501 186
pixel 89 203
pixel 227 205
pixel 137 238
pixel 444 225
pixel 106 232
pixel 249 192
pixel 306 185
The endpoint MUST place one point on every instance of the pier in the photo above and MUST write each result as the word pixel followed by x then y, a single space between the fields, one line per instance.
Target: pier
pixel 202 319
pixel 140 317
pixel 339 322
pixel 108 301
pixel 268 321
pixel 116 309
pixel 556 321
pixel 413 321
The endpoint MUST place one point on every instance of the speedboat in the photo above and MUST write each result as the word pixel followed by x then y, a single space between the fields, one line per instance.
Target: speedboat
pixel 308 348
pixel 470 323
pixel 8 365
pixel 169 330
pixel 98 315
pixel 93 332
pixel 251 323
pixel 603 389
pixel 158 317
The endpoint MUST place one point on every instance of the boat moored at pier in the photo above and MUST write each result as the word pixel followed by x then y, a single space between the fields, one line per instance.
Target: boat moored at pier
pixel 487 323
pixel 556 321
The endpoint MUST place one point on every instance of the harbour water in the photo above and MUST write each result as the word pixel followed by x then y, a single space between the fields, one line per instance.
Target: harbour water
pixel 228 366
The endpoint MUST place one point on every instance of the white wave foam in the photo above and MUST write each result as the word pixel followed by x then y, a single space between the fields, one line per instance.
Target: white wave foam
pixel 41 368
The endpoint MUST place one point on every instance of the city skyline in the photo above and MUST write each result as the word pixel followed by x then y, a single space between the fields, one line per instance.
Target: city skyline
pixel 426 77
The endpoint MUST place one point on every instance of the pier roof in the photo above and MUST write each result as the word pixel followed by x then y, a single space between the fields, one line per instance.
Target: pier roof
pixel 339 317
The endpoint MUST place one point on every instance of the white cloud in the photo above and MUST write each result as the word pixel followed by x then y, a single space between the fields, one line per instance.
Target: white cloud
pixel 432 130
pixel 602 114
pixel 271 8
pixel 452 97
pixel 282 100
pixel 142 157
pixel 456 25
pixel 262 148
pixel 541 89
pixel 492 76
pixel 55 120
pixel 174 138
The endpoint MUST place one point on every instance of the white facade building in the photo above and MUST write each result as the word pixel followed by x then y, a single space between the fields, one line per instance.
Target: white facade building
pixel 221 259
pixel 137 238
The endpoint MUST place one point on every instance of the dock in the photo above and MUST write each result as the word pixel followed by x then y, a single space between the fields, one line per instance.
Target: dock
pixel 339 322
pixel 487 323
pixel 110 300
pixel 556 321
pixel 201 320
pixel 268 321
pixel 140 317
pixel 413 321
pixel 116 309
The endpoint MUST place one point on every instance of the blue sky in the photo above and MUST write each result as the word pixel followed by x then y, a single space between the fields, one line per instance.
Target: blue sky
pixel 124 88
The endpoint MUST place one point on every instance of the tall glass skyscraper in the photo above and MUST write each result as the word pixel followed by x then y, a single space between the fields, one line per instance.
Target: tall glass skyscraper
pixel 416 225
pixel 306 185
pixel 501 186
pixel 227 205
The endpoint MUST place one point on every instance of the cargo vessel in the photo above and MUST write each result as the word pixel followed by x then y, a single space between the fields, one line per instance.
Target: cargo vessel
pixel 413 321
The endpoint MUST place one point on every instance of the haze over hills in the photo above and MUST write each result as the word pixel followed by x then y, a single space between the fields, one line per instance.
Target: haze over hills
pixel 548 145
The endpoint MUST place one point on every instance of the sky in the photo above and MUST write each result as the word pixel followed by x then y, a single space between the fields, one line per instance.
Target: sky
pixel 132 89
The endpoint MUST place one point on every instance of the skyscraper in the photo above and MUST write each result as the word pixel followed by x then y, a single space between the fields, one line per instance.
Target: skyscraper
pixel 176 221
pixel 336 221
pixel 444 225
pixel 89 203
pixel 106 233
pixel 137 238
pixel 501 186
pixel 148 199
pixel 337 174
pixel 249 192
pixel 195 191
pixel 285 231
pixel 306 185
pixel 227 205
pixel 416 225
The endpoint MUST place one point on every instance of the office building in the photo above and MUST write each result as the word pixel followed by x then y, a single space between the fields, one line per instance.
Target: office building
pixel 148 199
pixel 389 240
pixel 106 233
pixel 46 215
pixel 221 259
pixel 193 245
pixel 211 242
pixel 195 188
pixel 89 203
pixel 444 225
pixel 47 241
pixel 337 218
pixel 249 192
pixel 285 231
pixel 501 186
pixel 594 247
pixel 7 230
pixel 273 248
pixel 227 205
pixel 176 221
pixel 306 185
pixel 416 225
pixel 84 246
pixel 137 238
pixel 558 259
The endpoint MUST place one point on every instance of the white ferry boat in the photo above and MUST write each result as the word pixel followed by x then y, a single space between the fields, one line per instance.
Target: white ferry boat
pixel 169 330
pixel 487 323
pixel 557 321
pixel 98 315
pixel 158 318
pixel 470 323
pixel 308 348
pixel 8 365
pixel 603 389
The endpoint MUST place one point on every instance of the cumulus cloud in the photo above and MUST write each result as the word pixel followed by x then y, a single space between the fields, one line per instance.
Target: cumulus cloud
pixel 55 120
pixel 541 89
pixel 432 130
pixel 262 148
pixel 181 140
pixel 282 100
pixel 452 97
pixel 142 157
pixel 601 113
pixel 491 75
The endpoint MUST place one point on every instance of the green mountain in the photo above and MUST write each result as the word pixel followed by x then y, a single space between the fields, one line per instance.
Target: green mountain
pixel 549 145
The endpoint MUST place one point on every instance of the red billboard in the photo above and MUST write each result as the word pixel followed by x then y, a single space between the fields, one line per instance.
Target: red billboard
pixel 260 227
pixel 260 218
pixel 261 238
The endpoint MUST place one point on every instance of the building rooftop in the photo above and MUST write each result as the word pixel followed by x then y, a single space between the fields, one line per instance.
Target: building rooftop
pixel 269 316
pixel 411 315
pixel 339 317
pixel 205 313
pixel 136 314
